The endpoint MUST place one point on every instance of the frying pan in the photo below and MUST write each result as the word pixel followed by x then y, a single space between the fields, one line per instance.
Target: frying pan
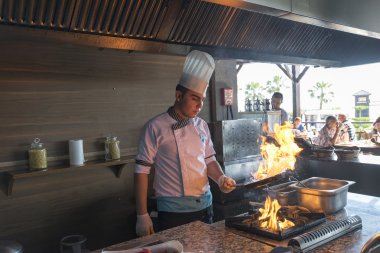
pixel 265 181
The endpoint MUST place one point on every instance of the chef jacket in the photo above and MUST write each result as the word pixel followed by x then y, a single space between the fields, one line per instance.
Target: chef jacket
pixel 180 151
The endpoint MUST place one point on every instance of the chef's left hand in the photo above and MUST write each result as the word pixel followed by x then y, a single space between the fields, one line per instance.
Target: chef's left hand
pixel 226 184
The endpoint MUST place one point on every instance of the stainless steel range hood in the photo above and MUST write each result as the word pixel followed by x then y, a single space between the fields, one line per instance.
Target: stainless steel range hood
pixel 357 17
pixel 287 31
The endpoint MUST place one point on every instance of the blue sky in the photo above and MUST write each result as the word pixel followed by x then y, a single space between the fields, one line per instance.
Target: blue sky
pixel 345 82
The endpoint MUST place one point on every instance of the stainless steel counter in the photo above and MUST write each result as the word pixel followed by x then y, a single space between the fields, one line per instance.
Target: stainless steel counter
pixel 200 237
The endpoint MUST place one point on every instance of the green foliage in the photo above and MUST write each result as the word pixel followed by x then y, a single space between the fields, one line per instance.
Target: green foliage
pixel 361 108
pixel 361 126
pixel 255 90
pixel 275 85
pixel 321 92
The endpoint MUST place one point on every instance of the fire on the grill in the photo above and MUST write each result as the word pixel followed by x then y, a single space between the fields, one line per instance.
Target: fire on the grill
pixel 269 216
pixel 275 217
pixel 278 151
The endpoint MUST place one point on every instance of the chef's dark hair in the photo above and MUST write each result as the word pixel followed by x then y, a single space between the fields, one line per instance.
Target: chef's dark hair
pixel 181 89
pixel 278 95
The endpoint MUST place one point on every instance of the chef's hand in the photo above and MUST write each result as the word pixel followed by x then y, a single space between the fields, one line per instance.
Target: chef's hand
pixel 144 225
pixel 226 184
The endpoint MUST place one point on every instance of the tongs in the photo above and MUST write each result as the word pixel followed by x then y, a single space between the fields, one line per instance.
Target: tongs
pixel 299 182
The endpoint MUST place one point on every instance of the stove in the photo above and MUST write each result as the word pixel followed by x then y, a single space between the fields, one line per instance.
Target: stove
pixel 237 146
pixel 304 237
pixel 250 223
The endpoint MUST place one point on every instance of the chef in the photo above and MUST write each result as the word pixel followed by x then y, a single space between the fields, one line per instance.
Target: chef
pixel 177 144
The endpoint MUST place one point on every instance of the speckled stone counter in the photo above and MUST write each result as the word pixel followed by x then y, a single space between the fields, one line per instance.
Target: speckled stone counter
pixel 200 237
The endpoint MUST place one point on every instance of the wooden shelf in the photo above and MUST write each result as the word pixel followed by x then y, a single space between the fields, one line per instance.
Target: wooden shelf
pixel 116 166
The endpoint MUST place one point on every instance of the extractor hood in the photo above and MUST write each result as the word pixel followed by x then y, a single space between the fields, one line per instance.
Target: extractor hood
pixel 246 30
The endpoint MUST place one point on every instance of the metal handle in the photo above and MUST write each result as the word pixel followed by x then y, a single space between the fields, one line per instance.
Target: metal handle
pixel 372 245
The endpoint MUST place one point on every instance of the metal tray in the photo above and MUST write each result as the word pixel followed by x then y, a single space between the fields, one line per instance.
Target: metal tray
pixel 322 194
pixel 284 193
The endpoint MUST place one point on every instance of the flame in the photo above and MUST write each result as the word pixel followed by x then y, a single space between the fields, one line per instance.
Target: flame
pixel 269 217
pixel 277 159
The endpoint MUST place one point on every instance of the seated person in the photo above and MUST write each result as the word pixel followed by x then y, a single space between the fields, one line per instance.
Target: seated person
pixel 298 128
pixel 298 125
pixel 348 126
pixel 376 130
pixel 331 134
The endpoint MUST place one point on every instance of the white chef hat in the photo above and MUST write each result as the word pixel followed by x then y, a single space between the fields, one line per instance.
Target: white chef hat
pixel 197 71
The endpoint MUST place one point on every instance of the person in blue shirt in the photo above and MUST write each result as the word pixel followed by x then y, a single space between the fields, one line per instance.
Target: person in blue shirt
pixel 298 125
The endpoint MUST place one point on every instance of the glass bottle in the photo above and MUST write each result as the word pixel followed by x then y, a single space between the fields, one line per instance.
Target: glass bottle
pixel 112 148
pixel 37 155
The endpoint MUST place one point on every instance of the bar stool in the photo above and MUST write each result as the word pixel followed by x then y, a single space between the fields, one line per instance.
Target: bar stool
pixel 73 244
pixel 372 245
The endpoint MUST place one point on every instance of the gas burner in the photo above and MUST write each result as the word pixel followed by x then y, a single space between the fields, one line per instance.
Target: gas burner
pixel 303 221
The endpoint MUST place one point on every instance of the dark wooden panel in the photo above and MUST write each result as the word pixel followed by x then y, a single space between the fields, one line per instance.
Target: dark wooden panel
pixel 59 92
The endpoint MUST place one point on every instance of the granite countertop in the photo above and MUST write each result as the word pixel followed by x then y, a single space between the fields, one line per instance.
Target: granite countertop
pixel 201 237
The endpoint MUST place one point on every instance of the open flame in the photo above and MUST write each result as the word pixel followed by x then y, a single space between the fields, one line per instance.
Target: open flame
pixel 269 218
pixel 279 156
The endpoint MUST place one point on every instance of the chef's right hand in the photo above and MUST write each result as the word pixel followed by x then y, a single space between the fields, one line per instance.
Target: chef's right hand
pixel 144 225
pixel 226 184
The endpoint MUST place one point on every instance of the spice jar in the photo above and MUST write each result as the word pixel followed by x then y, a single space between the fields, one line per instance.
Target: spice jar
pixel 37 155
pixel 112 148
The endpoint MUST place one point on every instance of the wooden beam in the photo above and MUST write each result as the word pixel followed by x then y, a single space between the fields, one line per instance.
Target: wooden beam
pixel 296 91
pixel 285 70
pixel 239 66
pixel 298 79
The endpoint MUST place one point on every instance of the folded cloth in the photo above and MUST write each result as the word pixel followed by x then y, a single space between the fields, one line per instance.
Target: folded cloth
pixel 173 246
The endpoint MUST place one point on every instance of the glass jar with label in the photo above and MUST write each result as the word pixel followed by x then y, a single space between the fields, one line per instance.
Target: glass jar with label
pixel 112 148
pixel 37 155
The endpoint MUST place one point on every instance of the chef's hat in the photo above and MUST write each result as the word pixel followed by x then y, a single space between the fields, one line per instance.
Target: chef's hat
pixel 197 71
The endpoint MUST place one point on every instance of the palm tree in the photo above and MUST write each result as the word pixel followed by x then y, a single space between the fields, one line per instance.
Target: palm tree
pixel 275 85
pixel 253 91
pixel 320 91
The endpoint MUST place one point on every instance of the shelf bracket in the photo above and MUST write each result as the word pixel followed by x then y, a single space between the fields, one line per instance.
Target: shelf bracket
pixel 117 169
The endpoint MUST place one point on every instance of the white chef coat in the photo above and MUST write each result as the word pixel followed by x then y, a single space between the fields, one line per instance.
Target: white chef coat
pixel 180 151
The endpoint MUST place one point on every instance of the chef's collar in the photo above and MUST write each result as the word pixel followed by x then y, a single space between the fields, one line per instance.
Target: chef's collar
pixel 180 121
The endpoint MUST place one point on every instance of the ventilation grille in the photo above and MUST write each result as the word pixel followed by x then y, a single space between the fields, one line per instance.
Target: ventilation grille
pixel 331 231
pixel 37 13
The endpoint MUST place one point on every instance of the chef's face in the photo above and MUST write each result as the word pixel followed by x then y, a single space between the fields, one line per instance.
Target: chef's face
pixel 189 104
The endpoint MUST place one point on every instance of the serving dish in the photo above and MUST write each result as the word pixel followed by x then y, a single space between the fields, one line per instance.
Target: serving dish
pixel 284 193
pixel 347 153
pixel 322 194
